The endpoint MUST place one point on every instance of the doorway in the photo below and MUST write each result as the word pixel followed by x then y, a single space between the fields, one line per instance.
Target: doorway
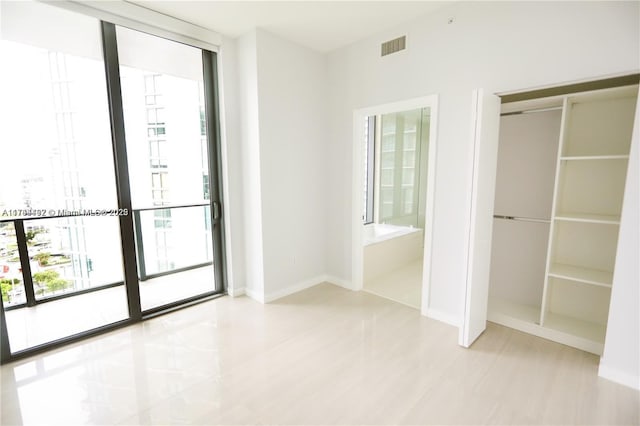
pixel 393 189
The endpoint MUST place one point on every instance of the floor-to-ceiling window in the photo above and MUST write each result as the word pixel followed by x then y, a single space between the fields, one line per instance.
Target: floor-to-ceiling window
pixel 109 178
pixel 167 149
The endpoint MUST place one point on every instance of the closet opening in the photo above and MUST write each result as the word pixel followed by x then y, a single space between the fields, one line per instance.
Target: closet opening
pixel 560 179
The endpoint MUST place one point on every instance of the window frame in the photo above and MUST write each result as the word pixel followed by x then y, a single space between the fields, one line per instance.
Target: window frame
pixel 128 235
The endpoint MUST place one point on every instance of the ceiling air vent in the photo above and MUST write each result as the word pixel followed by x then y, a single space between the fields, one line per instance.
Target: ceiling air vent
pixel 393 46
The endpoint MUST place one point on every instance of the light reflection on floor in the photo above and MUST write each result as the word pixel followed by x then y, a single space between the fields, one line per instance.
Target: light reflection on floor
pixel 402 285
pixel 53 320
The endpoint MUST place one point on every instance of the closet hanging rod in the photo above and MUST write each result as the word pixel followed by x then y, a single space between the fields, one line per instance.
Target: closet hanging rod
pixel 531 110
pixel 522 219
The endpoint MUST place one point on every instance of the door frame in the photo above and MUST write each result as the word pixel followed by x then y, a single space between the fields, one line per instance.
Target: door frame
pixel 483 153
pixel 359 115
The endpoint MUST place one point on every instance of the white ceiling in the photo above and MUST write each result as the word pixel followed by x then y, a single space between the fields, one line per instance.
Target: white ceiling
pixel 319 25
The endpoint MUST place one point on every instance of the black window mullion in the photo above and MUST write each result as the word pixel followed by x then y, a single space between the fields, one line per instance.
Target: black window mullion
pixel 23 251
pixel 212 115
pixel 5 349
pixel 112 70
pixel 137 223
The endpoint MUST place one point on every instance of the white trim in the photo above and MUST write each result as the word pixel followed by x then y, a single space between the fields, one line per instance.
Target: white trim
pixel 558 336
pixel 409 104
pixel 254 295
pixel 556 189
pixel 442 317
pixel 357 261
pixel 359 115
pixel 292 289
pixel 303 285
pixel 430 209
pixel 236 292
pixel 340 282
pixel 474 158
pixel 146 20
pixel 615 375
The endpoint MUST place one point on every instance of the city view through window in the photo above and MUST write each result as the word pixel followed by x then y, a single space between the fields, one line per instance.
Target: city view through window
pixel 67 168
pixel 60 227
pixel 62 163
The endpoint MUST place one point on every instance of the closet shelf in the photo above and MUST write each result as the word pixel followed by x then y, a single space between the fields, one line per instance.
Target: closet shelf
pixel 588 218
pixel 594 157
pixel 581 275
pixel 500 308
pixel 589 331
pixel 559 328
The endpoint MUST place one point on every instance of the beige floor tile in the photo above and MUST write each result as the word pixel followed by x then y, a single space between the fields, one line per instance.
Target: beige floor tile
pixel 322 356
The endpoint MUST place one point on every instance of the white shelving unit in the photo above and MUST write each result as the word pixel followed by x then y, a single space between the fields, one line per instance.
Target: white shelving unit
pixel 588 218
pixel 592 155
pixel 595 157
pixel 592 166
pixel 582 275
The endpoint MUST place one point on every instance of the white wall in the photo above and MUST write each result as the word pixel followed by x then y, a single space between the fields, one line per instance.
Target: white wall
pixel 249 140
pixel 621 358
pixel 293 163
pixel 501 46
pixel 282 123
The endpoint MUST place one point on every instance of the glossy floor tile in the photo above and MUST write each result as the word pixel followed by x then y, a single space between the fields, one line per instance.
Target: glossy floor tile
pixel 49 321
pixel 56 319
pixel 402 285
pixel 322 356
pixel 166 289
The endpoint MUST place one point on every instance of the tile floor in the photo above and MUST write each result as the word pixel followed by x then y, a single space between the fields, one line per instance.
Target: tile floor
pixel 402 285
pixel 56 319
pixel 325 355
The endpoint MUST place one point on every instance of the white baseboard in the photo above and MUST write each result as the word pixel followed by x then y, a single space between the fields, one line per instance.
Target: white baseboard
pixel 442 317
pixel 621 377
pixel 338 281
pixel 303 285
pixel 258 297
pixel 235 292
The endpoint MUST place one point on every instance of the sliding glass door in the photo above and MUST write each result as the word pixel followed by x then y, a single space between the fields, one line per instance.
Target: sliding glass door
pixel 57 164
pixel 109 178
pixel 167 149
